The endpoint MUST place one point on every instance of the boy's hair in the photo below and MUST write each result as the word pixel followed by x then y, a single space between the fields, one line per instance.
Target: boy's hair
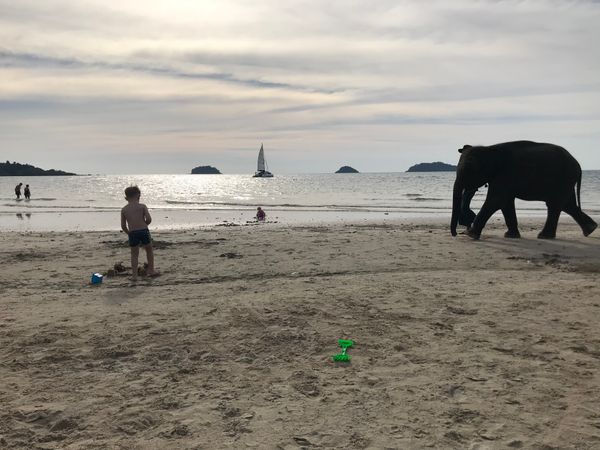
pixel 132 192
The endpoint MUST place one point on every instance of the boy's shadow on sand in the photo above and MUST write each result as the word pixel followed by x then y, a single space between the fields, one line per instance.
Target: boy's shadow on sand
pixel 120 295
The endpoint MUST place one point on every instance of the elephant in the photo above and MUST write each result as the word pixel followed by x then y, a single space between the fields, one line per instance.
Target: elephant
pixel 521 169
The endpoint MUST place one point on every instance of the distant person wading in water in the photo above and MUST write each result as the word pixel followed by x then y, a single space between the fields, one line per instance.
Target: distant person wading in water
pixel 18 190
pixel 260 214
pixel 27 192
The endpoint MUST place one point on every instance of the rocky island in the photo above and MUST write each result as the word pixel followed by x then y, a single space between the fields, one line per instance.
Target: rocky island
pixel 432 167
pixel 347 169
pixel 205 170
pixel 15 169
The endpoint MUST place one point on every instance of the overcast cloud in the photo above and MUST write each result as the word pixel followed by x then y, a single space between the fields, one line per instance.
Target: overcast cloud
pixel 140 86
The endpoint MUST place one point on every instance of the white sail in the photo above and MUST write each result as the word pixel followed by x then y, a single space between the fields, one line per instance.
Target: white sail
pixel 261 159
pixel 262 169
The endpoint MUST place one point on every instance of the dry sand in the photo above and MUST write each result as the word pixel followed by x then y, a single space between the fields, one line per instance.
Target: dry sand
pixel 459 344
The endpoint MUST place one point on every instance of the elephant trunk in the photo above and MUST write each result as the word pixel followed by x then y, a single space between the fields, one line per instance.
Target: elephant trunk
pixel 456 206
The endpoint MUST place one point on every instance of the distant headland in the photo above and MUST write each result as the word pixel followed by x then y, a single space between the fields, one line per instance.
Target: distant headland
pixel 15 169
pixel 432 167
pixel 205 170
pixel 347 169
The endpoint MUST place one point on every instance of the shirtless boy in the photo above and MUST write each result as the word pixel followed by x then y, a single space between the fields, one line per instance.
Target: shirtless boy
pixel 135 219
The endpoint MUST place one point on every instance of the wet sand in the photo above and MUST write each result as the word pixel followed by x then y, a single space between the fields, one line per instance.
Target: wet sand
pixel 183 219
pixel 458 344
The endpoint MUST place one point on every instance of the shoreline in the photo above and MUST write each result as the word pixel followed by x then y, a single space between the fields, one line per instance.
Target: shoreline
pixel 181 219
pixel 165 220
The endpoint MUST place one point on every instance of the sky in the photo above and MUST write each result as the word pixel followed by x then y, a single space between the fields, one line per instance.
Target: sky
pixel 162 86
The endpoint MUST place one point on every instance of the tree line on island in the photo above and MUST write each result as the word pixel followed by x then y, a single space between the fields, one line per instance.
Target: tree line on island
pixel 15 169
pixel 205 170
pixel 437 166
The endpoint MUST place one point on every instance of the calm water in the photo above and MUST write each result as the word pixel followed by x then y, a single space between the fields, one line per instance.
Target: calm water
pixel 93 202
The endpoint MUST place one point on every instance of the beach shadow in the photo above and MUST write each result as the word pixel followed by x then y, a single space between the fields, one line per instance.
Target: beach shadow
pixel 581 253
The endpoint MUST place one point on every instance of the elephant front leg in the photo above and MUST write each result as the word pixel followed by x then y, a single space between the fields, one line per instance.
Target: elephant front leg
pixel 510 217
pixel 487 209
pixel 549 230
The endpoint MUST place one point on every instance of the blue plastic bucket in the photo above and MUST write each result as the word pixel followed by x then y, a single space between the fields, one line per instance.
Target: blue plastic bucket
pixel 97 278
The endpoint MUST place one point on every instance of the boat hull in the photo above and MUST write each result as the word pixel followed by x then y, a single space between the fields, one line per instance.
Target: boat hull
pixel 263 174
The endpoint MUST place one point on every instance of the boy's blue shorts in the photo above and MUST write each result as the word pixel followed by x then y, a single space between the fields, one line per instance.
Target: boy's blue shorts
pixel 139 237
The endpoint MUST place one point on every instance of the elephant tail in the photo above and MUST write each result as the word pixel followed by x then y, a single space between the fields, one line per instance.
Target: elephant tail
pixel 579 191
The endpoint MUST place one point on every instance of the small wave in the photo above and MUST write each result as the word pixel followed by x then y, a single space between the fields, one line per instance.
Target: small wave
pixel 238 204
pixel 61 207
pixel 207 203
pixel 179 202
pixel 412 195
pixel 35 199
pixel 427 199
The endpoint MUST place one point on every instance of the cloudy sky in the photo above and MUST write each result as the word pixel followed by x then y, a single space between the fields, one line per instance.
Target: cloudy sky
pixel 160 86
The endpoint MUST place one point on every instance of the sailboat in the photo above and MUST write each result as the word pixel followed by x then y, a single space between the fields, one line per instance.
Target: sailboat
pixel 261 171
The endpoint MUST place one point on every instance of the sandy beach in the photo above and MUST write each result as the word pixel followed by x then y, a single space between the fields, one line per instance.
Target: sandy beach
pixel 458 344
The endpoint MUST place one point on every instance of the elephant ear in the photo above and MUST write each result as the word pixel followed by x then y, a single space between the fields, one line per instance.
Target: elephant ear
pixel 465 147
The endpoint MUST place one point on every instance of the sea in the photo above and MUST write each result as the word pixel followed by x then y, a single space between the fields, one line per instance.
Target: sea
pixel 81 203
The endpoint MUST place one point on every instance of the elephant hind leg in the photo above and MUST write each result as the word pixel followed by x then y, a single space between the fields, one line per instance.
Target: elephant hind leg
pixel 586 223
pixel 510 217
pixel 549 230
pixel 590 229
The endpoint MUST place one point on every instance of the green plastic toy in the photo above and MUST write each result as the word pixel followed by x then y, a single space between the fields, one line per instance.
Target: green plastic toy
pixel 343 357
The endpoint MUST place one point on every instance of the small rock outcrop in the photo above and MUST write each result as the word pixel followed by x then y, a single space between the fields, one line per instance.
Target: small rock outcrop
pixel 432 167
pixel 205 170
pixel 15 169
pixel 347 169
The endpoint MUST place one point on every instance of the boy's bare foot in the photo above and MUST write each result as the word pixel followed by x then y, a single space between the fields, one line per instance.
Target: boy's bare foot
pixel 133 279
pixel 153 274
